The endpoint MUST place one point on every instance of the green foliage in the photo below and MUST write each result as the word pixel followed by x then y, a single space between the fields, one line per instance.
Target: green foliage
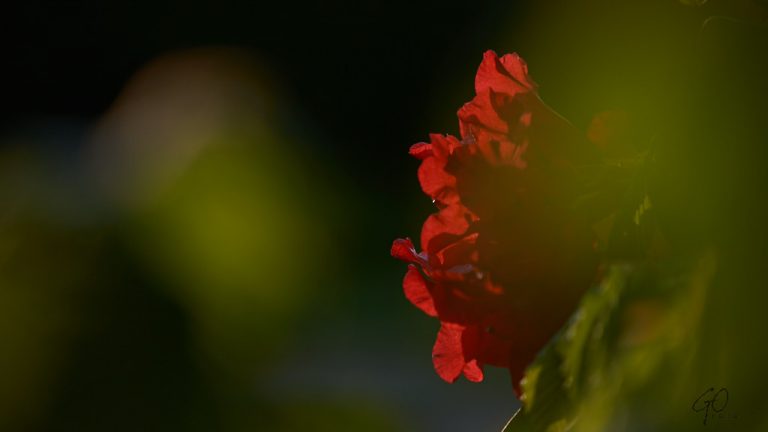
pixel 622 346
pixel 671 338
pixel 693 2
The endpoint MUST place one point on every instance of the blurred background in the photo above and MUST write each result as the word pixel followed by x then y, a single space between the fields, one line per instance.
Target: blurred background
pixel 197 199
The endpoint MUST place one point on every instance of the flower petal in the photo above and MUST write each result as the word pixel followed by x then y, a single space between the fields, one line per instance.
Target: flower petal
pixel 421 150
pixel 443 145
pixel 404 250
pixel 473 371
pixel 480 114
pixel 463 252
pixel 447 354
pixel 444 227
pixel 436 182
pixel 416 290
pixel 508 74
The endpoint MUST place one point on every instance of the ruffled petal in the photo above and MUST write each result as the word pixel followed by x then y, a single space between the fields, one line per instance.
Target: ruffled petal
pixel 443 145
pixel 518 69
pixel 421 150
pixel 404 250
pixel 473 371
pixel 461 253
pixel 447 354
pixel 444 227
pixel 455 353
pixel 436 182
pixel 508 74
pixel 480 113
pixel 417 291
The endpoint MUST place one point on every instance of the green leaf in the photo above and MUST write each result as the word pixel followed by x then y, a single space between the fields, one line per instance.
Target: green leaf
pixel 627 343
pixel 545 402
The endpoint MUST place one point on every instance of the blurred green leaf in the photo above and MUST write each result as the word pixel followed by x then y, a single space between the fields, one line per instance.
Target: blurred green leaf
pixel 545 401
pixel 693 2
pixel 626 343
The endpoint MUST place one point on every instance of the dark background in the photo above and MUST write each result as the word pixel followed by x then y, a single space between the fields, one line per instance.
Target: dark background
pixel 353 85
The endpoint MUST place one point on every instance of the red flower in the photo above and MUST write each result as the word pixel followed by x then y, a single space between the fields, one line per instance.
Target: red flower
pixel 506 258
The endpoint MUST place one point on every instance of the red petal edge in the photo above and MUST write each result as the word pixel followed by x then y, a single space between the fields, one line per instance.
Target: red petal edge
pixel 421 150
pixel 404 250
pixel 447 355
pixel 472 371
pixel 417 291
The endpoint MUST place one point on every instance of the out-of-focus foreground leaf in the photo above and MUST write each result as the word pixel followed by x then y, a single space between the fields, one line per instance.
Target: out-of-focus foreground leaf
pixel 671 340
